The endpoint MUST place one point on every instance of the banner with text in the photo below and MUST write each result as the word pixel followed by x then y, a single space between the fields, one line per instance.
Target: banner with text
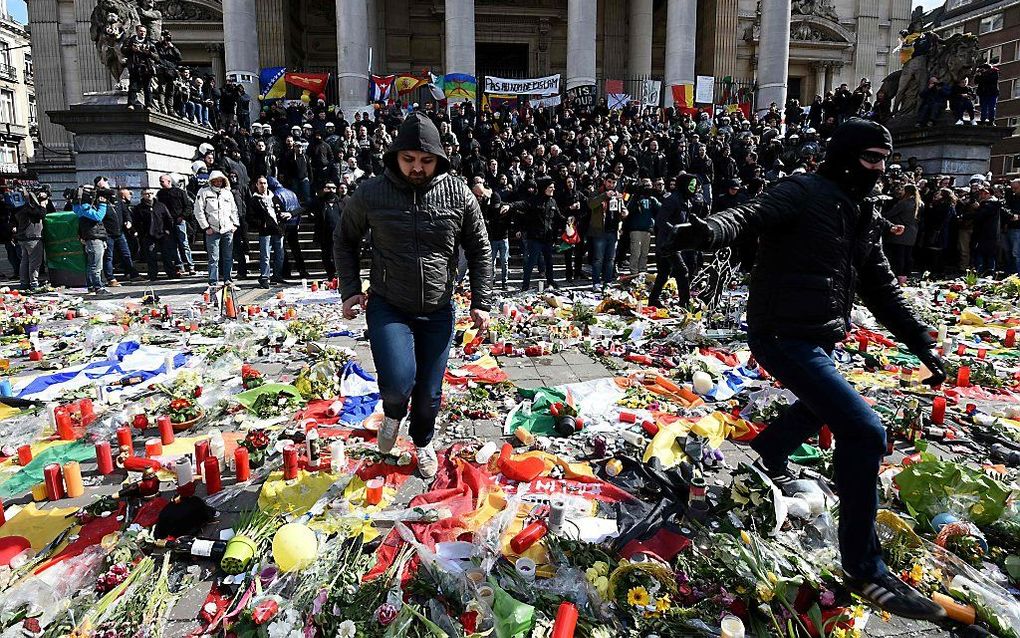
pixel 549 85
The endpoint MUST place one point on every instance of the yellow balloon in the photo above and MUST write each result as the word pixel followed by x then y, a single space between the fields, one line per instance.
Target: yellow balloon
pixel 294 547
pixel 306 97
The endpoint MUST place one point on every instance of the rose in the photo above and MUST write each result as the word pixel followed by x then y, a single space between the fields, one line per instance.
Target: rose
pixel 264 611
pixel 386 614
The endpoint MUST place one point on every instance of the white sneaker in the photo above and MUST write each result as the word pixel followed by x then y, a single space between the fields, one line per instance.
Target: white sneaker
pixel 388 433
pixel 428 464
pixel 959 122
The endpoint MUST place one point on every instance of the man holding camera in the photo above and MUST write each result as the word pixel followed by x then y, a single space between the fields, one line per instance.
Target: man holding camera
pixel 91 204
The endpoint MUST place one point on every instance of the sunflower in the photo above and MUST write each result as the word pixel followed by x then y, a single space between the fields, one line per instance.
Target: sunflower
pixel 638 597
pixel 662 604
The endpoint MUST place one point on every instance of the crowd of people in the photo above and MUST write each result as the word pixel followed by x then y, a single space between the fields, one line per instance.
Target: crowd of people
pixel 600 192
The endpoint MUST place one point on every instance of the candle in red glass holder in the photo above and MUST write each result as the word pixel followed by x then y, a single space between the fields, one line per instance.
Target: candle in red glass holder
pixel 65 428
pixel 87 410
pixel 566 621
pixel 961 349
pixel 35 355
pixel 374 491
pixel 1010 338
pixel 166 429
pixel 211 470
pixel 290 462
pixel 938 410
pixel 528 536
pixel 241 464
pixel 124 439
pixel 24 455
pixel 963 377
pixel 104 458
pixel 201 453
pixel 53 477
pixel 153 447
pixel 825 438
pixel 862 342
pixel 982 353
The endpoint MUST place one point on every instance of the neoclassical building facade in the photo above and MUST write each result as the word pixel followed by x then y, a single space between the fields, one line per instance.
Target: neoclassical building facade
pixel 816 45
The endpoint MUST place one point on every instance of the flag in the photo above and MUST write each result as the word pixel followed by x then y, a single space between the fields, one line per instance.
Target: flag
pixel 652 93
pixel 683 95
pixel 381 88
pixel 436 86
pixel 614 87
pixel 617 101
pixel 497 101
pixel 460 85
pixel 743 107
pixel 315 83
pixel 407 83
pixel 271 83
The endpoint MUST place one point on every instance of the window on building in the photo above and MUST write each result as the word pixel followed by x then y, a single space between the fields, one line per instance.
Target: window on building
pixel 7 106
pixel 9 154
pixel 5 53
pixel 29 69
pixel 953 30
pixel 1015 92
pixel 956 4
pixel 33 117
pixel 992 55
pixel 990 23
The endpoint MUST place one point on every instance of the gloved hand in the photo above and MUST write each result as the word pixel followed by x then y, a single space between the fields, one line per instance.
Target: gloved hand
pixel 935 365
pixel 692 235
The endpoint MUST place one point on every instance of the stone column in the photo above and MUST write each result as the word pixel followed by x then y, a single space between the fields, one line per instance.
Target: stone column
pixel 726 38
pixel 352 52
pixel 829 72
pixel 241 48
pixel 773 53
pixel 867 45
pixel 639 58
pixel 460 37
pixel 581 19
pixel 219 71
pixel 681 35
pixel 819 69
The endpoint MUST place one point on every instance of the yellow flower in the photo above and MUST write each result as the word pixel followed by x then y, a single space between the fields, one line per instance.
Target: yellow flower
pixel 917 572
pixel 591 574
pixel 773 579
pixel 638 597
pixel 857 611
pixel 601 567
pixel 662 604
pixel 744 536
pixel 764 592
pixel 838 632
pixel 741 590
pixel 602 586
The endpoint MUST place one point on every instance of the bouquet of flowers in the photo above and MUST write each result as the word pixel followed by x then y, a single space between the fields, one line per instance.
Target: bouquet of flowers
pixel 182 410
pixel 251 377
pixel 254 530
pixel 256 441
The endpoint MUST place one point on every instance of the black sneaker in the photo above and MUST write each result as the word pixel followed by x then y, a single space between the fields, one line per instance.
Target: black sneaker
pixel 264 283
pixel 896 597
pixel 779 478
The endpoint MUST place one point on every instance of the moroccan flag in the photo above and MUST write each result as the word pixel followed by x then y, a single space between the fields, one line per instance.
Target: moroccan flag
pixel 407 83
pixel 614 87
pixel 381 88
pixel 315 83
pixel 272 85
pixel 460 85
pixel 683 95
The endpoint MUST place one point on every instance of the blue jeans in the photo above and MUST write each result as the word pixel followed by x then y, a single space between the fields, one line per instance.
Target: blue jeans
pixel 393 334
pixel 603 256
pixel 94 250
pixel 220 247
pixel 1013 240
pixel 825 397
pixel 184 259
pixel 118 247
pixel 536 250
pixel 988 108
pixel 501 255
pixel 201 112
pixel 270 246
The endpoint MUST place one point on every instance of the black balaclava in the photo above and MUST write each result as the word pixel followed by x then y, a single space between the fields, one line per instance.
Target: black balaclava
pixel 842 162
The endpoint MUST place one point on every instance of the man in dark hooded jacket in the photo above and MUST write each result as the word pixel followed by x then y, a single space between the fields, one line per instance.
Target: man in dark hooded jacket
pixel 819 244
pixel 418 216
pixel 682 204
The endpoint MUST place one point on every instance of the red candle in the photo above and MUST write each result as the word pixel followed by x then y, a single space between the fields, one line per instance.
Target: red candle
pixel 24 455
pixel 315 286
pixel 374 490
pixel 290 462
pixel 87 410
pixel 124 439
pixel 211 470
pixel 201 453
pixel 241 464
pixel 104 458
pixel 69 315
pixel 53 476
pixel 961 349
pixel 528 536
pixel 1010 338
pixel 825 438
pixel 651 427
pixel 166 429
pixel 938 410
pixel 628 417
pixel 963 377
pixel 566 621
pixel 153 447
pixel 982 352
pixel 862 342
pixel 35 355
pixel 140 464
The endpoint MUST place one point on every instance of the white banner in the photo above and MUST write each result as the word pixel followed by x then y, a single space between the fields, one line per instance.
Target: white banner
pixel 653 93
pixel 542 102
pixel 704 92
pixel 549 85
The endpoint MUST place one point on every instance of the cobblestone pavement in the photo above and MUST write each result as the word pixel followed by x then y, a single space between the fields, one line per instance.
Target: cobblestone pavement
pixel 565 367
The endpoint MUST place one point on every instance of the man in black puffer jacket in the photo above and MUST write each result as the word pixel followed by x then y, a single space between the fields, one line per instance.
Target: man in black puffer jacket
pixel 819 243
pixel 419 216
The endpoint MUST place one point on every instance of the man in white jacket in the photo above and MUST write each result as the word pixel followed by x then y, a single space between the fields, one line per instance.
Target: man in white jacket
pixel 216 214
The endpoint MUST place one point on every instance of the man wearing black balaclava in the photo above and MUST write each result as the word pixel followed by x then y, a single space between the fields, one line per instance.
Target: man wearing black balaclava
pixel 682 204
pixel 819 243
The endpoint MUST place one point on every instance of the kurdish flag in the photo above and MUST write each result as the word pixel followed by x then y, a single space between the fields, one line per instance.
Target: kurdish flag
pixel 683 95
pixel 271 83
pixel 460 85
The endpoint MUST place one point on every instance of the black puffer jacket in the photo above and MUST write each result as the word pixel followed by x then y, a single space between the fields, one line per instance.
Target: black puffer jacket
pixel 816 249
pixel 416 232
